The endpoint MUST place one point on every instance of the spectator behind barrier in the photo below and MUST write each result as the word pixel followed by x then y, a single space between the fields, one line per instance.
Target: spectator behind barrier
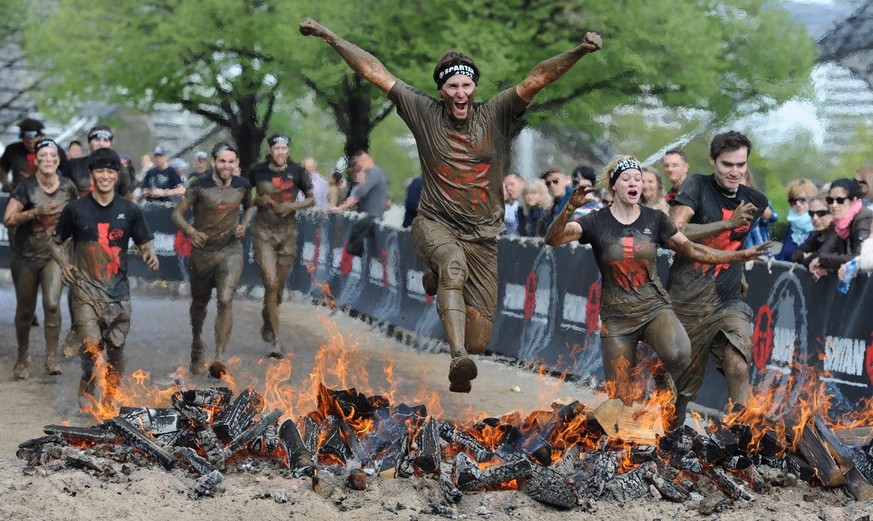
pixel 800 226
pixel 821 219
pixel 850 228
pixel 535 205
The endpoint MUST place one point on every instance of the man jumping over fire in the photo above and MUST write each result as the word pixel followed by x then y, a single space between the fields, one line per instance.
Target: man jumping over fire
pixel 463 149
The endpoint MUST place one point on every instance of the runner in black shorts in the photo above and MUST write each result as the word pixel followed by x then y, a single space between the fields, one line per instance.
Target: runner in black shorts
pixel 220 204
pixel 634 306
pixel 463 149
pixel 101 225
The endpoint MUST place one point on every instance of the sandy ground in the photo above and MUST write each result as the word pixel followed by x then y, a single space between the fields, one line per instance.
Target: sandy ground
pixel 158 343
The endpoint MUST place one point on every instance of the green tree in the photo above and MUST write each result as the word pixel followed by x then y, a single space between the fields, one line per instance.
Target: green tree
pixel 222 59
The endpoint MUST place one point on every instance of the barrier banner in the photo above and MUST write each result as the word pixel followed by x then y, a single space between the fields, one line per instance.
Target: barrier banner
pixel 549 301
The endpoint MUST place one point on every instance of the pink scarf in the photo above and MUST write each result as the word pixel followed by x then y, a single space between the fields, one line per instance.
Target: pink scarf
pixel 844 224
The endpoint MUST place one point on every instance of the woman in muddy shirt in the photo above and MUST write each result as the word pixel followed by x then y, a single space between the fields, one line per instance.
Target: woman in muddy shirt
pixel 274 234
pixel 34 209
pixel 634 306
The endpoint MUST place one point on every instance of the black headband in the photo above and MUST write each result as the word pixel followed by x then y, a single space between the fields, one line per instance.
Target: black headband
pixel 625 164
pixel 223 148
pixel 279 140
pixel 443 75
pixel 45 143
pixel 102 133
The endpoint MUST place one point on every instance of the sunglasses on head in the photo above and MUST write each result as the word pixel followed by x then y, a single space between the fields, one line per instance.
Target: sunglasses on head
pixel 838 200
pixel 794 200
pixel 818 213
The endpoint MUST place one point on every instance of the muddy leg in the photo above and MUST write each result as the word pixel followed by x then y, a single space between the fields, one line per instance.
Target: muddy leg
pixel 619 357
pixel 736 373
pixel 26 283
pixel 51 305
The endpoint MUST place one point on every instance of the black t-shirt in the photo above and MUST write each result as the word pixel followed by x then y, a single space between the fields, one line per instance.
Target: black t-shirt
pixel 627 255
pixel 165 179
pixel 31 239
pixel 77 170
pixel 703 287
pixel 101 235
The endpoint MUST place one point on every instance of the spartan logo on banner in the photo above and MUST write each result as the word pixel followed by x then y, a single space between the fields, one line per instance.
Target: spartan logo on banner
pixel 540 306
pixel 350 270
pixel 316 253
pixel 779 344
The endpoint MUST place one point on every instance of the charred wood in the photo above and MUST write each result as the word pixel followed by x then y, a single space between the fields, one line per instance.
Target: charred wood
pixel 296 452
pixel 76 435
pixel 499 474
pixel 595 471
pixel 856 436
pixel 143 442
pixel 667 488
pixel 858 486
pixel 465 472
pixel 331 439
pixel 569 460
pixel 84 462
pixel 209 442
pixel 708 450
pixel 212 397
pixel 449 433
pixel 235 419
pixel 428 442
pixel 799 467
pixel 549 487
pixel 449 490
pixel 403 467
pixel 841 454
pixel 643 453
pixel 631 485
pixel 251 434
pixel 356 449
pixel 816 453
pixel 311 432
pixel 208 485
pixel 194 460
pixel 726 484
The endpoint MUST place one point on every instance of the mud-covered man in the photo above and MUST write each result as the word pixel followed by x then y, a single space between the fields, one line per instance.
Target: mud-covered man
pixel 716 211
pixel 100 226
pixel 277 181
pixel 221 205
pixel 463 149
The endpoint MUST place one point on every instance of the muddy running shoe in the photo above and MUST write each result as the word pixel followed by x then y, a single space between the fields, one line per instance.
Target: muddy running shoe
pixel 278 351
pixel 20 370
pixel 217 369
pixel 461 371
pixel 198 364
pixel 430 280
pixel 53 368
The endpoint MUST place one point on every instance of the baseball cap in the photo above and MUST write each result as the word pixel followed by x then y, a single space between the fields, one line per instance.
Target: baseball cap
pixel 179 164
pixel 201 155
pixel 159 151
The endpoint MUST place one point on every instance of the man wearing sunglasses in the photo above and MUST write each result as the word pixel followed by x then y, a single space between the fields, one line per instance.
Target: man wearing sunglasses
pixel 560 187
pixel 717 211
pixel 100 136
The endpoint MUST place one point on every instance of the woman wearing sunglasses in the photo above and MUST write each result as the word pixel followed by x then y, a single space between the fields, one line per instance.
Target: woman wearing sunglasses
pixel 800 226
pixel 851 226
pixel 821 219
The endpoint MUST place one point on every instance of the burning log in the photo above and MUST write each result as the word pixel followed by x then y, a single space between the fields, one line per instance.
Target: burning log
pixel 356 449
pixel 253 432
pixel 858 486
pixel 143 442
pixel 666 488
pixel 233 420
pixel 76 435
pixel 209 442
pixel 816 453
pixel 450 434
pixel 212 397
pixel 855 437
pixel 295 450
pixel 38 450
pixel 428 442
pixel 499 474
pixel 549 487
pixel 734 490
pixel 624 423
pixel 643 453
pixel 332 442
pixel 311 433
pixel 799 467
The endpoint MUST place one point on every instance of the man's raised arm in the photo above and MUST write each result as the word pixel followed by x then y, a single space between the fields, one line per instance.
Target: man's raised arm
pixel 362 62
pixel 548 71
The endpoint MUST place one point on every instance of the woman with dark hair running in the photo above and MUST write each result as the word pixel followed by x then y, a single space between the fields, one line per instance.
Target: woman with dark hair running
pixel 34 209
pixel 634 306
